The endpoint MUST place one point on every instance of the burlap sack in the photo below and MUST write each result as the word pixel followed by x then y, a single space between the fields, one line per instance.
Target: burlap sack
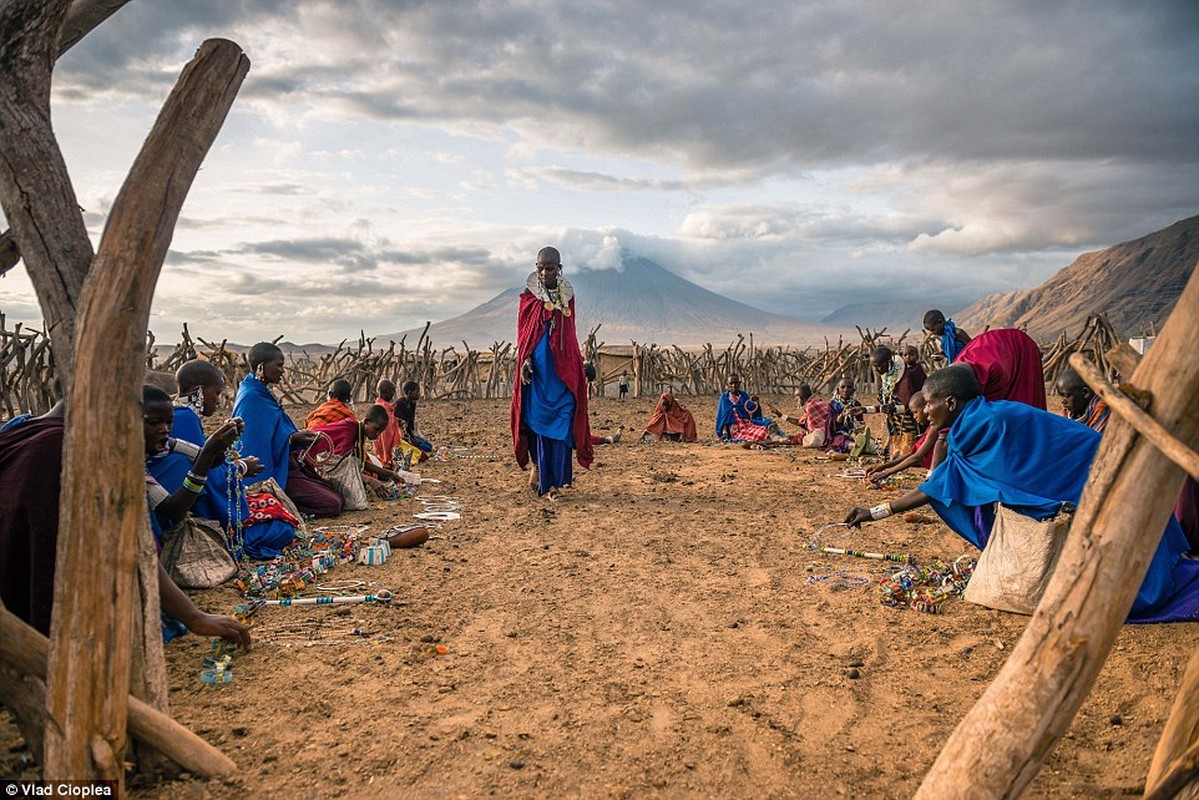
pixel 345 473
pixel 195 555
pixel 1018 561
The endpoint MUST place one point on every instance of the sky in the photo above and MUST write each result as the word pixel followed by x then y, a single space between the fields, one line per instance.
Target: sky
pixel 388 163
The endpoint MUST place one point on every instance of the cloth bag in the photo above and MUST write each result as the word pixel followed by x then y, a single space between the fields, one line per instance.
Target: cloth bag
pixel 271 486
pixel 1018 561
pixel 345 473
pixel 194 554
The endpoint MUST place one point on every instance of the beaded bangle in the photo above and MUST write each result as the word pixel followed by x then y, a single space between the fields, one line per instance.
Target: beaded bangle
pixel 881 511
pixel 242 467
pixel 192 486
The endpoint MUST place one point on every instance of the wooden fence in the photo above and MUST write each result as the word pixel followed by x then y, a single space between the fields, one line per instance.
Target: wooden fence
pixel 27 368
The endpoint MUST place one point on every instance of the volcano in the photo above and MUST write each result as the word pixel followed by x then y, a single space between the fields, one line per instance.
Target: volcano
pixel 643 302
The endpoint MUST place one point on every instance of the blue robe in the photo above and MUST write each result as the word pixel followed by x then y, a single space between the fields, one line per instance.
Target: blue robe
pixel 549 412
pixel 1033 461
pixel 727 412
pixel 262 540
pixel 268 428
pixel 950 345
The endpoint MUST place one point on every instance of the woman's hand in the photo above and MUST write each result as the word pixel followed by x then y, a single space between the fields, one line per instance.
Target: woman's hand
pixel 301 438
pixel 253 466
pixel 226 628
pixel 526 371
pixel 217 445
pixel 857 516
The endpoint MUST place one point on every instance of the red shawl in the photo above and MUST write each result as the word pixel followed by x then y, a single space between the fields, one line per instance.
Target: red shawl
pixel 390 438
pixel 676 420
pixel 332 410
pixel 1007 363
pixel 568 362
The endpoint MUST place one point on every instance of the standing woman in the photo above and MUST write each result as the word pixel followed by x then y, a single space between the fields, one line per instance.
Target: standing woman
pixel 273 438
pixel 549 401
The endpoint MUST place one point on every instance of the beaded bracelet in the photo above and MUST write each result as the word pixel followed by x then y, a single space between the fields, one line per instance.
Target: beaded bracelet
pixel 881 511
pixel 242 467
pixel 192 486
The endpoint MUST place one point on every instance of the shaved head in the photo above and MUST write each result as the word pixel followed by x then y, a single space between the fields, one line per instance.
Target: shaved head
pixel 197 373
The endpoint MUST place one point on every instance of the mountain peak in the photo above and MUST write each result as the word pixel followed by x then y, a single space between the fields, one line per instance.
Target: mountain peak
pixel 1135 283
pixel 638 301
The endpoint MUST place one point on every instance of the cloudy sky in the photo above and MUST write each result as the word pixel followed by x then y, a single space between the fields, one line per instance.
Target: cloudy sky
pixel 388 163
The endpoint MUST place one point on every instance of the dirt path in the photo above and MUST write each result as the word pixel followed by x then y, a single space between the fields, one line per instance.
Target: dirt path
pixel 654 633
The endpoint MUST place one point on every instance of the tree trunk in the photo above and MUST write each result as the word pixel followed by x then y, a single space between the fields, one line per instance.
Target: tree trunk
pixel 35 190
pixel 1000 745
pixel 103 490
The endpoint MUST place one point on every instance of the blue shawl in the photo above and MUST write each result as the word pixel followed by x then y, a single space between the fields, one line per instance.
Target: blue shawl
pixel 268 428
pixel 1032 461
pixel 727 412
pixel 950 345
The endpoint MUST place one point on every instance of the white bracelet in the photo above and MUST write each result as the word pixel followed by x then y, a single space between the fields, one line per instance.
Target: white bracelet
pixel 881 512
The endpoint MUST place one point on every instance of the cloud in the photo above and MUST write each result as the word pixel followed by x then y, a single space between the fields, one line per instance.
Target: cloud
pixel 392 158
pixel 716 86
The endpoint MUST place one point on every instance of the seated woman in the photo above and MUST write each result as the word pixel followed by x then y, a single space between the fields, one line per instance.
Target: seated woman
pixel 272 437
pixel 30 484
pixel 349 437
pixel 405 414
pixel 816 421
pixel 336 407
pixel 262 533
pixel 1079 402
pixel 733 415
pixel 670 421
pixel 730 408
pixel 391 451
pixel 1034 463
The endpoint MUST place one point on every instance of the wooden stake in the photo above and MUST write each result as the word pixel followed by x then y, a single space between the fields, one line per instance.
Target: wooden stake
pixel 1174 760
pixel 1145 425
pixel 103 488
pixel 1000 745
pixel 26 651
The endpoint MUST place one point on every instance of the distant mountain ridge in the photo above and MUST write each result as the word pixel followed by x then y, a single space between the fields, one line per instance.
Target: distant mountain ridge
pixel 641 302
pixel 1135 283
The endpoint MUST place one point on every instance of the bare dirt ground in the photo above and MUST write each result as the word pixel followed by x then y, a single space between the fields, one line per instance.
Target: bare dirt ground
pixel 652 634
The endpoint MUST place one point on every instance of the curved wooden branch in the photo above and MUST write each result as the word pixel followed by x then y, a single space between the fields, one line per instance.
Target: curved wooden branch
pixel 103 490
pixel 82 18
pixel 1144 424
pixel 1000 745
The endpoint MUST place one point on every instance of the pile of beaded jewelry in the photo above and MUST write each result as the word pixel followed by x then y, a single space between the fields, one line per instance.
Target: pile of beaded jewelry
pixel 926 588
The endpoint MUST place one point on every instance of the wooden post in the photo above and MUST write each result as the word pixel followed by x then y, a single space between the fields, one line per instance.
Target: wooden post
pixel 25 650
pixel 103 490
pixel 1168 773
pixel 1002 742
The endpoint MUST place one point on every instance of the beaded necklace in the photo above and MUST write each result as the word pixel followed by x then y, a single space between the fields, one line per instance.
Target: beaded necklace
pixel 235 492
